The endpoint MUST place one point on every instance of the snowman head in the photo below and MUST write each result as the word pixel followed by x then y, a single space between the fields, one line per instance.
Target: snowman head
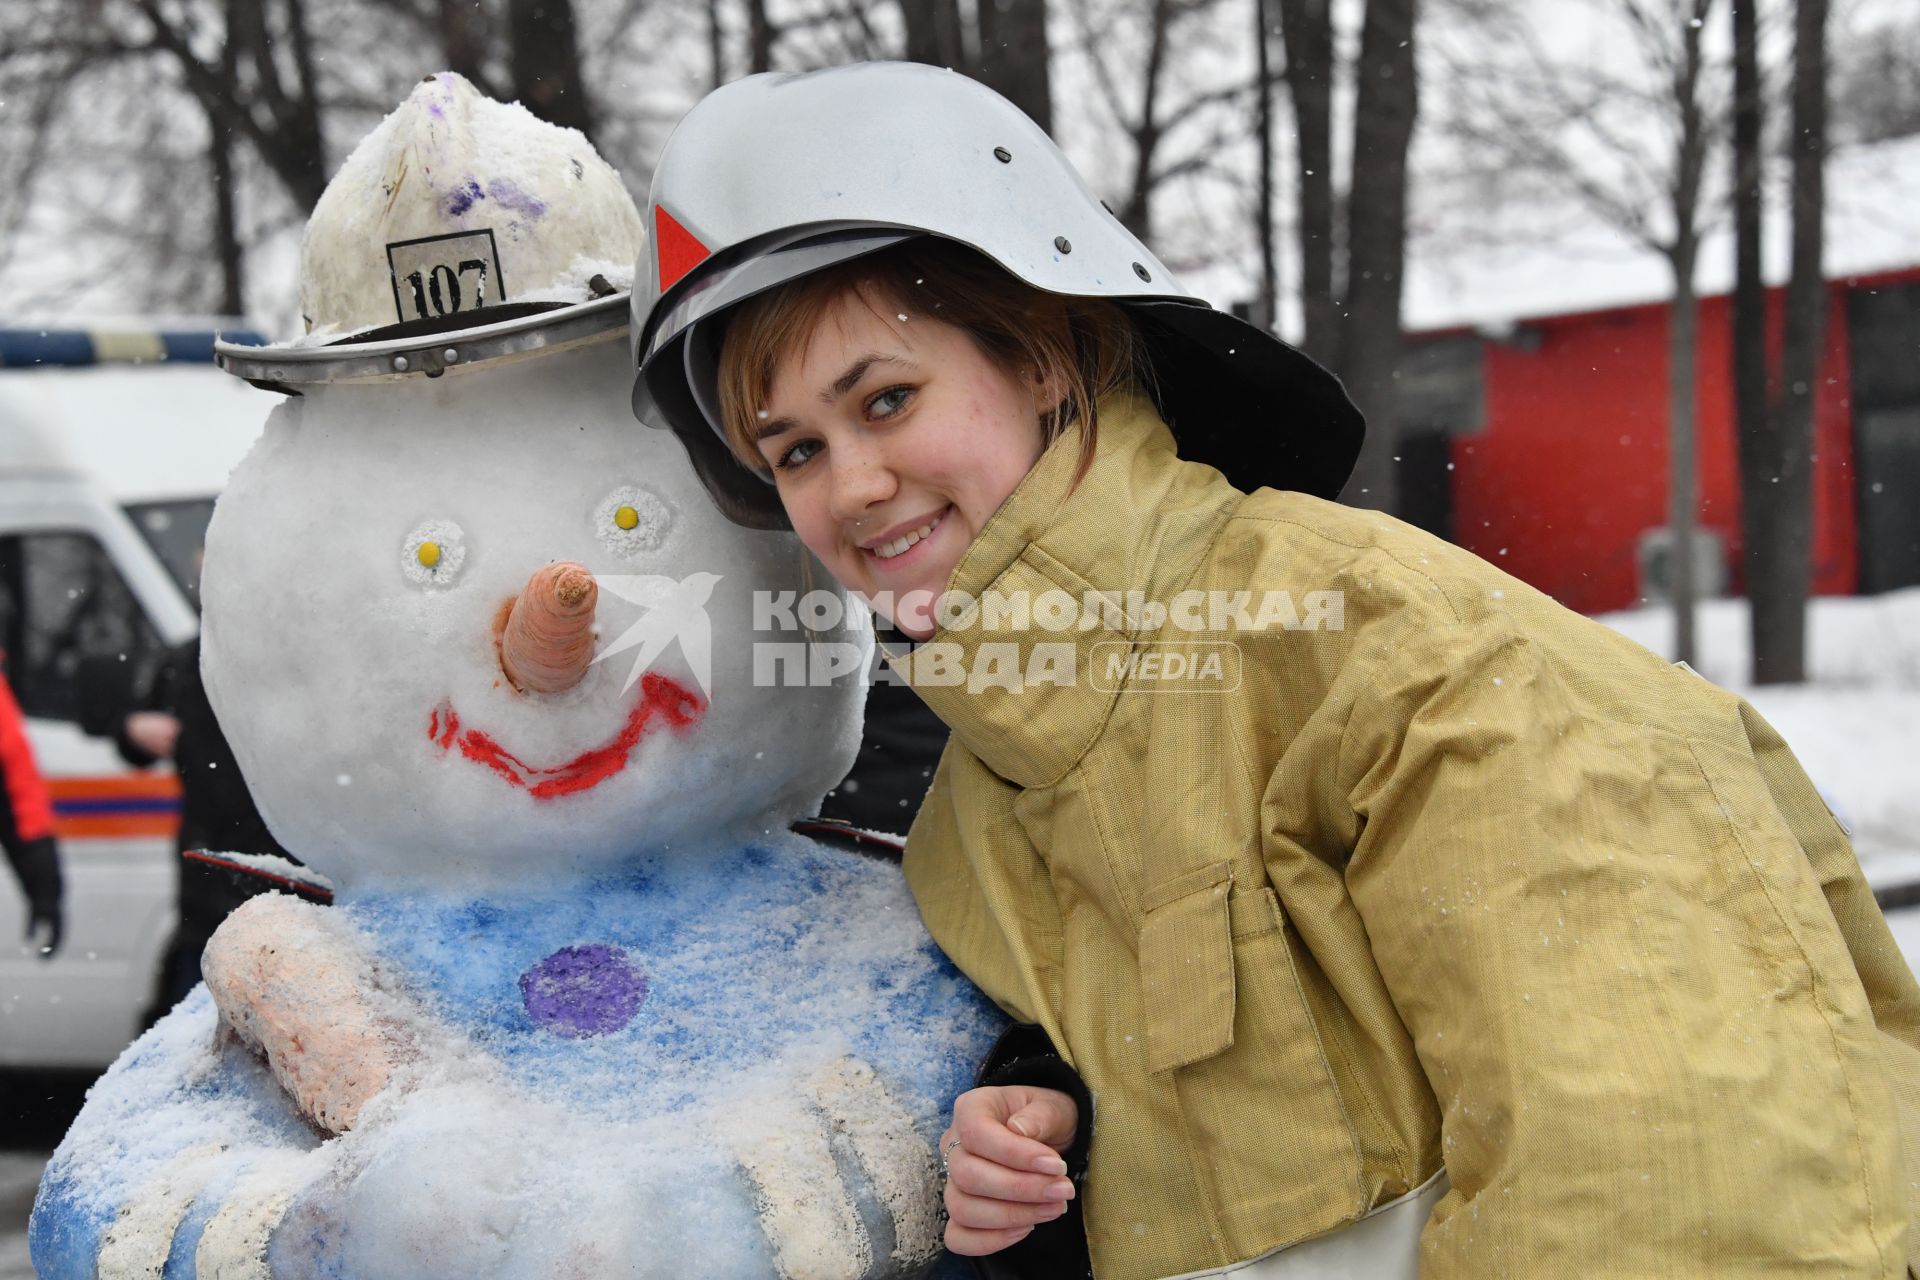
pixel 466 621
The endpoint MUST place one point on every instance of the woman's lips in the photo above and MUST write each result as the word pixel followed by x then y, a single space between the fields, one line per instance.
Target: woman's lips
pixel 906 560
pixel 661 701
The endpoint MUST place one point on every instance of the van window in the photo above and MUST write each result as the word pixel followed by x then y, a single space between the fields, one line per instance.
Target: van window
pixel 176 530
pixel 66 615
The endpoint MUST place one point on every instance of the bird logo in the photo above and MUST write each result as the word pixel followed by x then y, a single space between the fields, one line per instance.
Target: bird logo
pixel 674 610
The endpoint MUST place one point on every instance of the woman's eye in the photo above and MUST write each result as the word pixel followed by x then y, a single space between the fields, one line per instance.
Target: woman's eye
pixel 796 455
pixel 432 554
pixel 889 402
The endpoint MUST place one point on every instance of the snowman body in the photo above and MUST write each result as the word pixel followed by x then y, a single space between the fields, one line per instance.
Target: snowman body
pixel 632 1025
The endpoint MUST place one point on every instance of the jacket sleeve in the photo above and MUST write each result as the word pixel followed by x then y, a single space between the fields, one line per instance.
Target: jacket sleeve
pixel 1056 1250
pixel 971 879
pixel 26 805
pixel 1651 1048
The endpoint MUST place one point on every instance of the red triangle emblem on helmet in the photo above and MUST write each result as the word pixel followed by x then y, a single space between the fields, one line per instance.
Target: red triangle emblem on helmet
pixel 676 249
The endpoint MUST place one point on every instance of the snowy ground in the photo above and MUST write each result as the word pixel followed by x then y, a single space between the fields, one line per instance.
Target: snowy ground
pixel 1855 727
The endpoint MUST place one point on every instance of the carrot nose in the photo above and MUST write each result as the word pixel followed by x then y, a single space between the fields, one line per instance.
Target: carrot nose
pixel 546 632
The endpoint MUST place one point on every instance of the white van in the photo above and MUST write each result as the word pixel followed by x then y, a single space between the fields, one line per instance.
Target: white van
pixel 112 448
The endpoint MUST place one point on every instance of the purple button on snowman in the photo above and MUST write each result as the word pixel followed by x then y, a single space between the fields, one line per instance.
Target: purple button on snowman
pixel 579 992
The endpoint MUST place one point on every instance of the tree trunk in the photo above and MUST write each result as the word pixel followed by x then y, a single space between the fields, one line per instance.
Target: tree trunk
pixel 1306 28
pixel 463 40
pixel 1683 468
pixel 226 230
pixel 1683 483
pixel 1780 629
pixel 1269 273
pixel 1136 211
pixel 1384 111
pixel 1015 59
pixel 760 36
pixel 1759 452
pixel 934 34
pixel 545 61
pixel 716 47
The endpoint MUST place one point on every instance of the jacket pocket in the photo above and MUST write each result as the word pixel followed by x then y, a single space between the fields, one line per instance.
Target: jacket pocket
pixel 1186 967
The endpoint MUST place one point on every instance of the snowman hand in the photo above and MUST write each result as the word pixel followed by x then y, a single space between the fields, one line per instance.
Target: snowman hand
pixel 296 983
pixel 785 1145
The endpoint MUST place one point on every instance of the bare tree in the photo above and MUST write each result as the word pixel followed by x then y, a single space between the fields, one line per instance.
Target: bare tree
pixel 1014 56
pixel 1351 277
pixel 1876 82
pixel 1384 109
pixel 545 57
pixel 1307 28
pixel 1580 130
pixel 1775 417
pixel 1759 463
pixel 1269 296
pixel 1144 57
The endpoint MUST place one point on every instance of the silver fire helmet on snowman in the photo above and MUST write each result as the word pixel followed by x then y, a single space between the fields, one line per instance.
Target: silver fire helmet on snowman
pixel 493 664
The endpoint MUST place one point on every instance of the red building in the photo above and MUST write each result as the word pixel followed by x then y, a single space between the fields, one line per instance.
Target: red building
pixel 1544 448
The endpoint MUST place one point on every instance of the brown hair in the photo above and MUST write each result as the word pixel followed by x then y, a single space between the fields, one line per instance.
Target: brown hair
pixel 1085 346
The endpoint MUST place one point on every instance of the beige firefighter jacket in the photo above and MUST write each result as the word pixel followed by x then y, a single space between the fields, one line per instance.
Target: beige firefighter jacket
pixel 1436 870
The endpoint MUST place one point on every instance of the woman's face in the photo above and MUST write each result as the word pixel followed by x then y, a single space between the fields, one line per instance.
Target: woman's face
pixel 893 438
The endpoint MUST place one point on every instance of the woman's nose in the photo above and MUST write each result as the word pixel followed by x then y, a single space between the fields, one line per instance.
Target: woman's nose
pixel 861 478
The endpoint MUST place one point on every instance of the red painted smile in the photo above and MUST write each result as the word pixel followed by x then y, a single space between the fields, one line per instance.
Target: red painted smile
pixel 661 700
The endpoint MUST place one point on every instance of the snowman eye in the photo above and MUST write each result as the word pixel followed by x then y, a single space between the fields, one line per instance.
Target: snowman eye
pixel 433 553
pixel 632 521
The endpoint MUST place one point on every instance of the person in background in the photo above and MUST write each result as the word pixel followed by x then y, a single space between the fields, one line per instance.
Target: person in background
pixel 217 814
pixel 26 826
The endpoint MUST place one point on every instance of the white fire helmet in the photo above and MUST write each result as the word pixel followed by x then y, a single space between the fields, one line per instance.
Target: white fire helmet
pixel 776 176
pixel 460 231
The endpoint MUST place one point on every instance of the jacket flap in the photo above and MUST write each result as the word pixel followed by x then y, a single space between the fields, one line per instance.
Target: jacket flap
pixel 1186 967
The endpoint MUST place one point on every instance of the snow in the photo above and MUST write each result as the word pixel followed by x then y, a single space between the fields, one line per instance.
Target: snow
pixel 335 655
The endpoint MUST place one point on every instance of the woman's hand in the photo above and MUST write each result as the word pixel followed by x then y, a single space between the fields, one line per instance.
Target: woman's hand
pixel 1005 1175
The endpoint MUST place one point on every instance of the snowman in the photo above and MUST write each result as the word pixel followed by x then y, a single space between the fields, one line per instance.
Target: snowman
pixel 584 1005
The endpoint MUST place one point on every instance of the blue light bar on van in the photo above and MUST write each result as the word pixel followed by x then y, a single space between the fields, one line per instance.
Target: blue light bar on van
pixel 28 348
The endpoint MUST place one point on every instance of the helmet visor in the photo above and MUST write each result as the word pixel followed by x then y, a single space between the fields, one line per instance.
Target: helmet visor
pixel 751 270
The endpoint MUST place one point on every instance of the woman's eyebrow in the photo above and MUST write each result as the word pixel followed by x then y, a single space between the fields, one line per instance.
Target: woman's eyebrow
pixel 840 386
pixel 858 370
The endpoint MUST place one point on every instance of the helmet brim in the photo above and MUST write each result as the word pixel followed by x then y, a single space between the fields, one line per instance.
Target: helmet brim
pixel 1237 398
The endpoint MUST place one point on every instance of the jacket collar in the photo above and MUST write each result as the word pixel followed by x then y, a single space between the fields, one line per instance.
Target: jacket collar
pixel 1027 699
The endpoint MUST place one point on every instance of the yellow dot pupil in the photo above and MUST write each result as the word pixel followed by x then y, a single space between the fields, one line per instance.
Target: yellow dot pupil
pixel 429 554
pixel 626 517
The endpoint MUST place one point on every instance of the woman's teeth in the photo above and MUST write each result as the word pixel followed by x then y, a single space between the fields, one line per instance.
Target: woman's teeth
pixel 888 550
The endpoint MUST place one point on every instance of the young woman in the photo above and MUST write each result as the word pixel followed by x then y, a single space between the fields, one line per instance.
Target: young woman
pixel 1393 916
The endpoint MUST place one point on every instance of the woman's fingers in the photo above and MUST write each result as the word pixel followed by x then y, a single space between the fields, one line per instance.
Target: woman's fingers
pixel 969 1243
pixel 1004 1171
pixel 980 1213
pixel 985 1121
pixel 976 1176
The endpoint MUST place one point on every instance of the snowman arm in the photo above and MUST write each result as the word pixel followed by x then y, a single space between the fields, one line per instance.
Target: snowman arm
pixel 807 1213
pixel 295 983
